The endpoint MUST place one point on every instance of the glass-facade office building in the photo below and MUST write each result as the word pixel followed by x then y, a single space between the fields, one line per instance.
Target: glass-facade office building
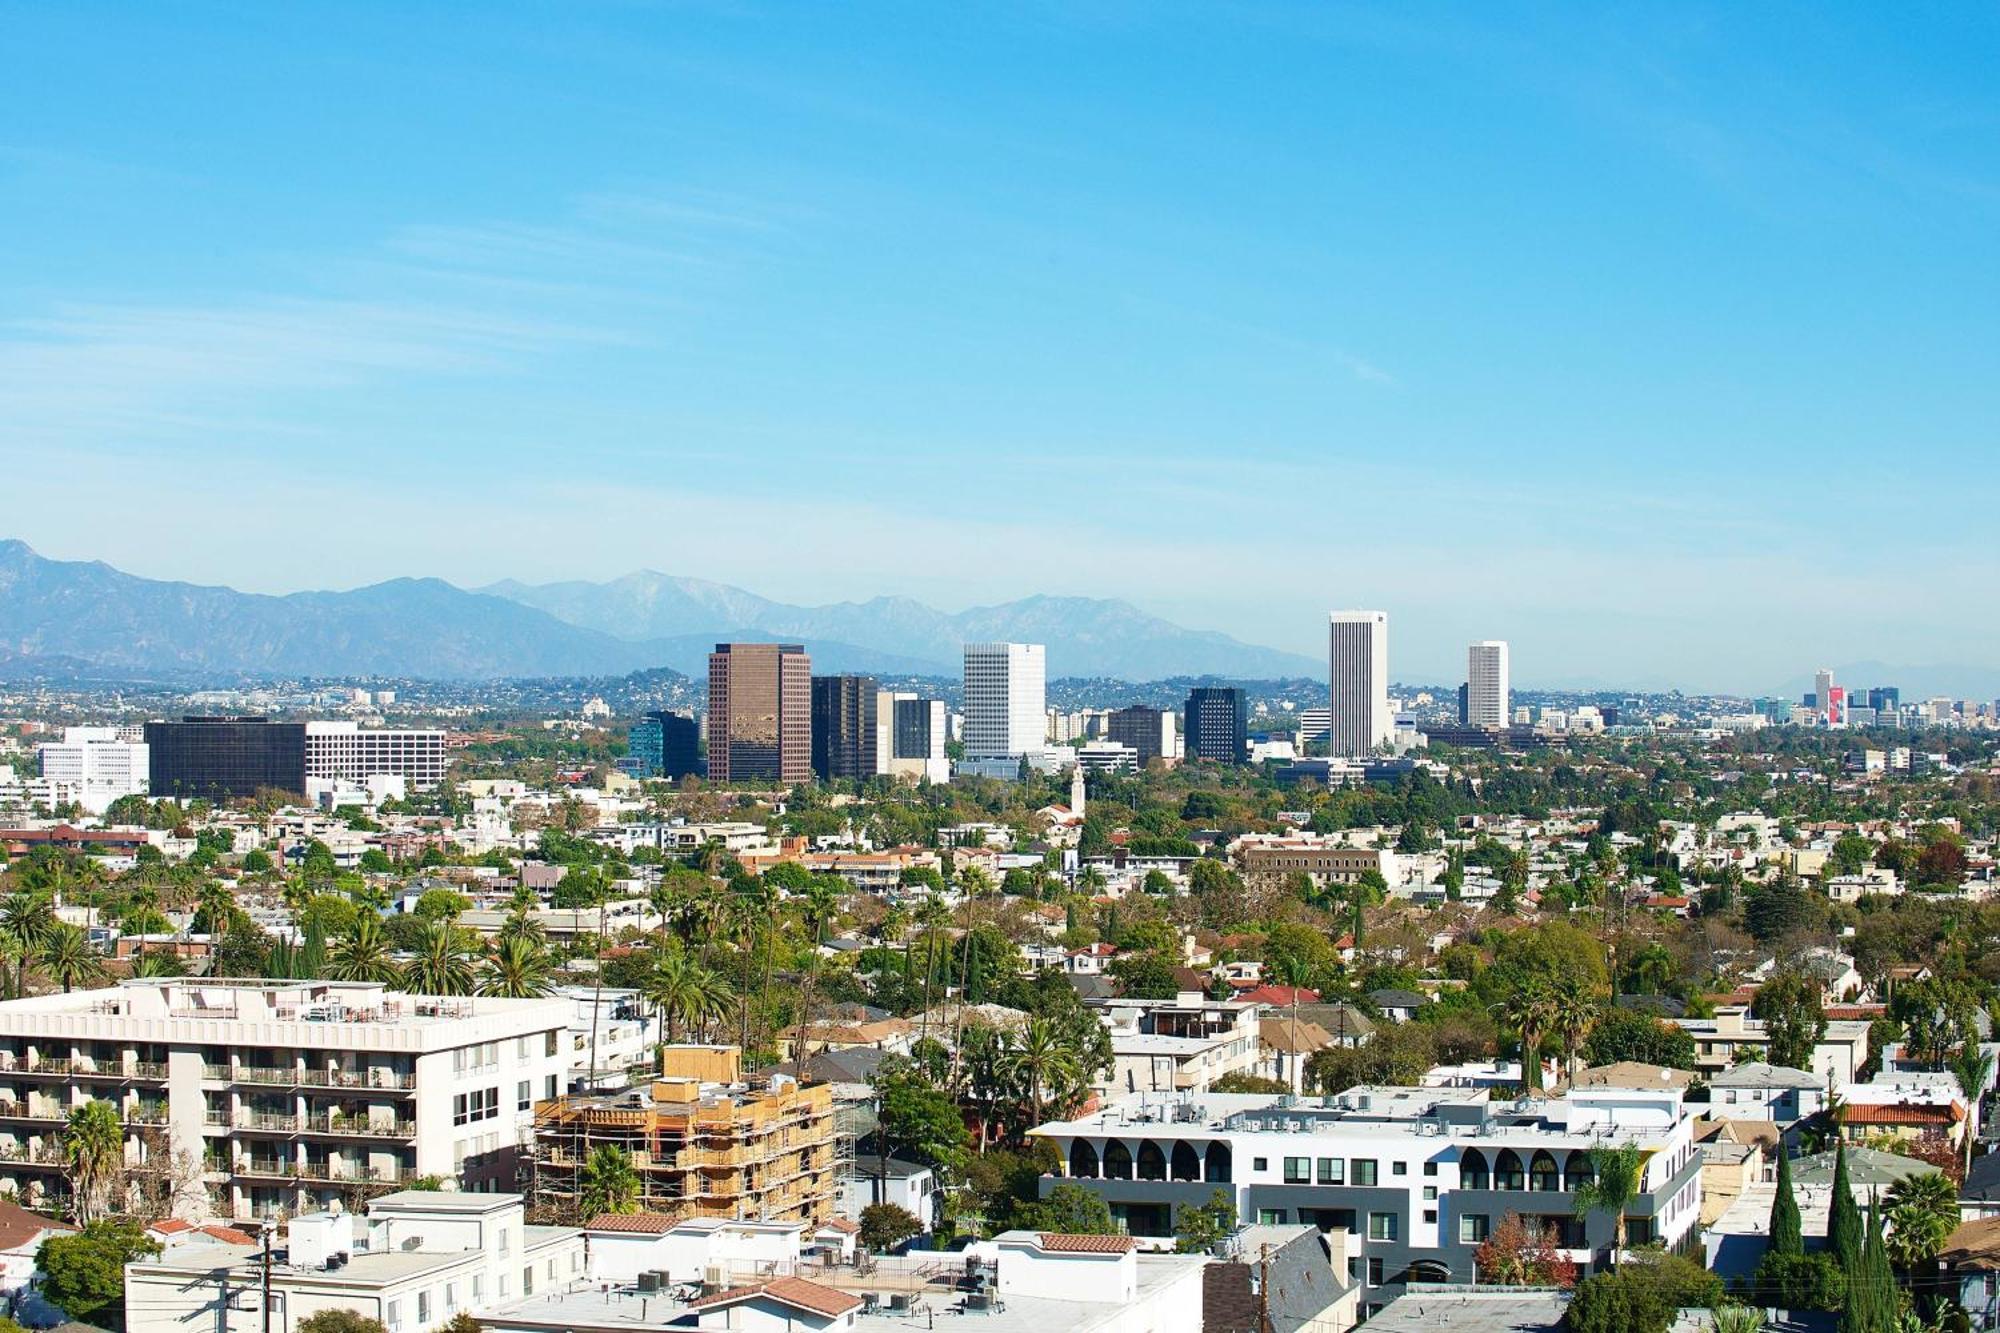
pixel 221 758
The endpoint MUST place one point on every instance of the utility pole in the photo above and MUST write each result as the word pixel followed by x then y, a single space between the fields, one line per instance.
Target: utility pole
pixel 1263 1290
pixel 271 1225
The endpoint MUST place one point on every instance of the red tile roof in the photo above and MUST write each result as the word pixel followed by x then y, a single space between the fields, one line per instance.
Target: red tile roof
pixel 1065 1244
pixel 841 1224
pixel 1902 1115
pixel 229 1235
pixel 650 1224
pixel 793 1291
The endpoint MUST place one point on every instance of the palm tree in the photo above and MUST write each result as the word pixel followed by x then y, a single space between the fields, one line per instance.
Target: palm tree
pixel 69 960
pixel 94 1149
pixel 688 995
pixel 931 917
pixel 443 965
pixel 1039 1062
pixel 606 1183
pixel 1616 1174
pixel 158 963
pixel 1973 1070
pixel 1529 1011
pixel 1572 1014
pixel 362 954
pixel 27 920
pixel 817 908
pixel 517 969
pixel 1923 1211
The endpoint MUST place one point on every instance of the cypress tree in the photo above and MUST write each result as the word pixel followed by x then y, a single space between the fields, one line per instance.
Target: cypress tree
pixel 1872 1300
pixel 1843 1227
pixel 1787 1236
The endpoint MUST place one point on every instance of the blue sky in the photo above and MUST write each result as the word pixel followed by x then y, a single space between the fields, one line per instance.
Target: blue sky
pixel 1661 341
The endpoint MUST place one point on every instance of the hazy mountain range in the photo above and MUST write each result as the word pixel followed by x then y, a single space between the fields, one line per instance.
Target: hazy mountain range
pixel 86 615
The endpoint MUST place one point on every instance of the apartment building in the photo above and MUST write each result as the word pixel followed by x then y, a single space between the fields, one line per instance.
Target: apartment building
pixel 705 1143
pixel 411 1261
pixel 287 1095
pixel 1324 860
pixel 1181 1045
pixel 349 752
pixel 1418 1176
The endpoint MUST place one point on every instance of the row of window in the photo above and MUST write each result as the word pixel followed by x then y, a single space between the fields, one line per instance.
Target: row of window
pixel 1336 1170
pixel 467 1107
pixel 392 1311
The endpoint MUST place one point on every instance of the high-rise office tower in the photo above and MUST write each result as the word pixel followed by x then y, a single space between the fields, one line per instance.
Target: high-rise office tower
pixel 1885 700
pixel 1216 725
pixel 843 727
pixel 225 757
pixel 1006 704
pixel 666 745
pixel 1149 731
pixel 1464 705
pixel 1823 693
pixel 1486 684
pixel 1358 684
pixel 759 712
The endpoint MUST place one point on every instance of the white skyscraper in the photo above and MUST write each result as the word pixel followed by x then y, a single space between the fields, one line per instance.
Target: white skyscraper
pixel 1358 684
pixel 1006 703
pixel 1486 684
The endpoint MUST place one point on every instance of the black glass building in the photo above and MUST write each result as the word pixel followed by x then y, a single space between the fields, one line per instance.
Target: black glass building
pixel 1217 725
pixel 667 745
pixel 220 758
pixel 843 726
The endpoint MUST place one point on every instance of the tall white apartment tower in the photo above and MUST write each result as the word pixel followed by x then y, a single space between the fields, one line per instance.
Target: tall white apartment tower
pixel 1823 693
pixel 1486 684
pixel 1006 700
pixel 1359 684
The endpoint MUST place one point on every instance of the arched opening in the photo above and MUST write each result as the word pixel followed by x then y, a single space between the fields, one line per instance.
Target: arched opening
pixel 1152 1162
pixel 1542 1174
pixel 1215 1164
pixel 1507 1173
pixel 1428 1270
pixel 1117 1161
pixel 1083 1160
pixel 1186 1162
pixel 1577 1171
pixel 1472 1174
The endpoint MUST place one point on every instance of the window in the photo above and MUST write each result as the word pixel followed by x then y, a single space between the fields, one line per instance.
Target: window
pixel 549 1043
pixel 1298 1170
pixel 450 1296
pixel 1430 1215
pixel 1260 1164
pixel 1472 1228
pixel 524 1095
pixel 468 1107
pixel 528 1280
pixel 392 1314
pixel 503 1286
pixel 549 1088
pixel 552 1270
pixel 1430 1192
pixel 1271 1217
pixel 1399 1168
pixel 520 1048
pixel 1381 1226
pixel 1332 1171
pixel 478 1287
pixel 1374 1272
pixel 1430 1168
pixel 1354 1269
pixel 423 1307
pixel 503 1240
pixel 1363 1170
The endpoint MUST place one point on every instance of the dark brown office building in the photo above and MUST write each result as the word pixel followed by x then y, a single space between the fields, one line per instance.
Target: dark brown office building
pixel 220 758
pixel 759 712
pixel 1217 725
pixel 843 718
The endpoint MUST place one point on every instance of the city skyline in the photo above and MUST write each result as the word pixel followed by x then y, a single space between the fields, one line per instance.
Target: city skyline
pixel 1693 275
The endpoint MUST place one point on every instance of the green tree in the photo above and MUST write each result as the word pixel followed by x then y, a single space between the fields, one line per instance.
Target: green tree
pixel 917 1118
pixel 1788 1005
pixel 94 1151
pixel 362 954
pixel 1787 1236
pixel 1843 1227
pixel 1642 1296
pixel 1923 1212
pixel 1616 1176
pixel 1623 1034
pixel 607 1183
pixel 1070 1209
pixel 1198 1227
pixel 67 958
pixel 884 1226
pixel 1800 1282
pixel 441 905
pixel 340 1321
pixel 443 962
pixel 83 1273
pixel 1872 1302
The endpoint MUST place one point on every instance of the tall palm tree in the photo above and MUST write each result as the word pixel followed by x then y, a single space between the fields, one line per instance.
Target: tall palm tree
pixel 818 906
pixel 158 963
pixel 1572 1013
pixel 1616 1174
pixel 1529 1011
pixel 27 919
pixel 517 969
pixel 1972 1068
pixel 931 915
pixel 606 1183
pixel 688 995
pixel 69 960
pixel 362 954
pixel 443 965
pixel 1039 1062
pixel 94 1149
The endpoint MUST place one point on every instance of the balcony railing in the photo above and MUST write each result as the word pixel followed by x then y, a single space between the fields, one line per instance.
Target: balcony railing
pixel 360 1126
pixel 29 1111
pixel 290 1076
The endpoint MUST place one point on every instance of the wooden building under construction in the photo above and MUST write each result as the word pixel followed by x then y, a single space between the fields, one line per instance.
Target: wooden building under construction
pixel 703 1142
